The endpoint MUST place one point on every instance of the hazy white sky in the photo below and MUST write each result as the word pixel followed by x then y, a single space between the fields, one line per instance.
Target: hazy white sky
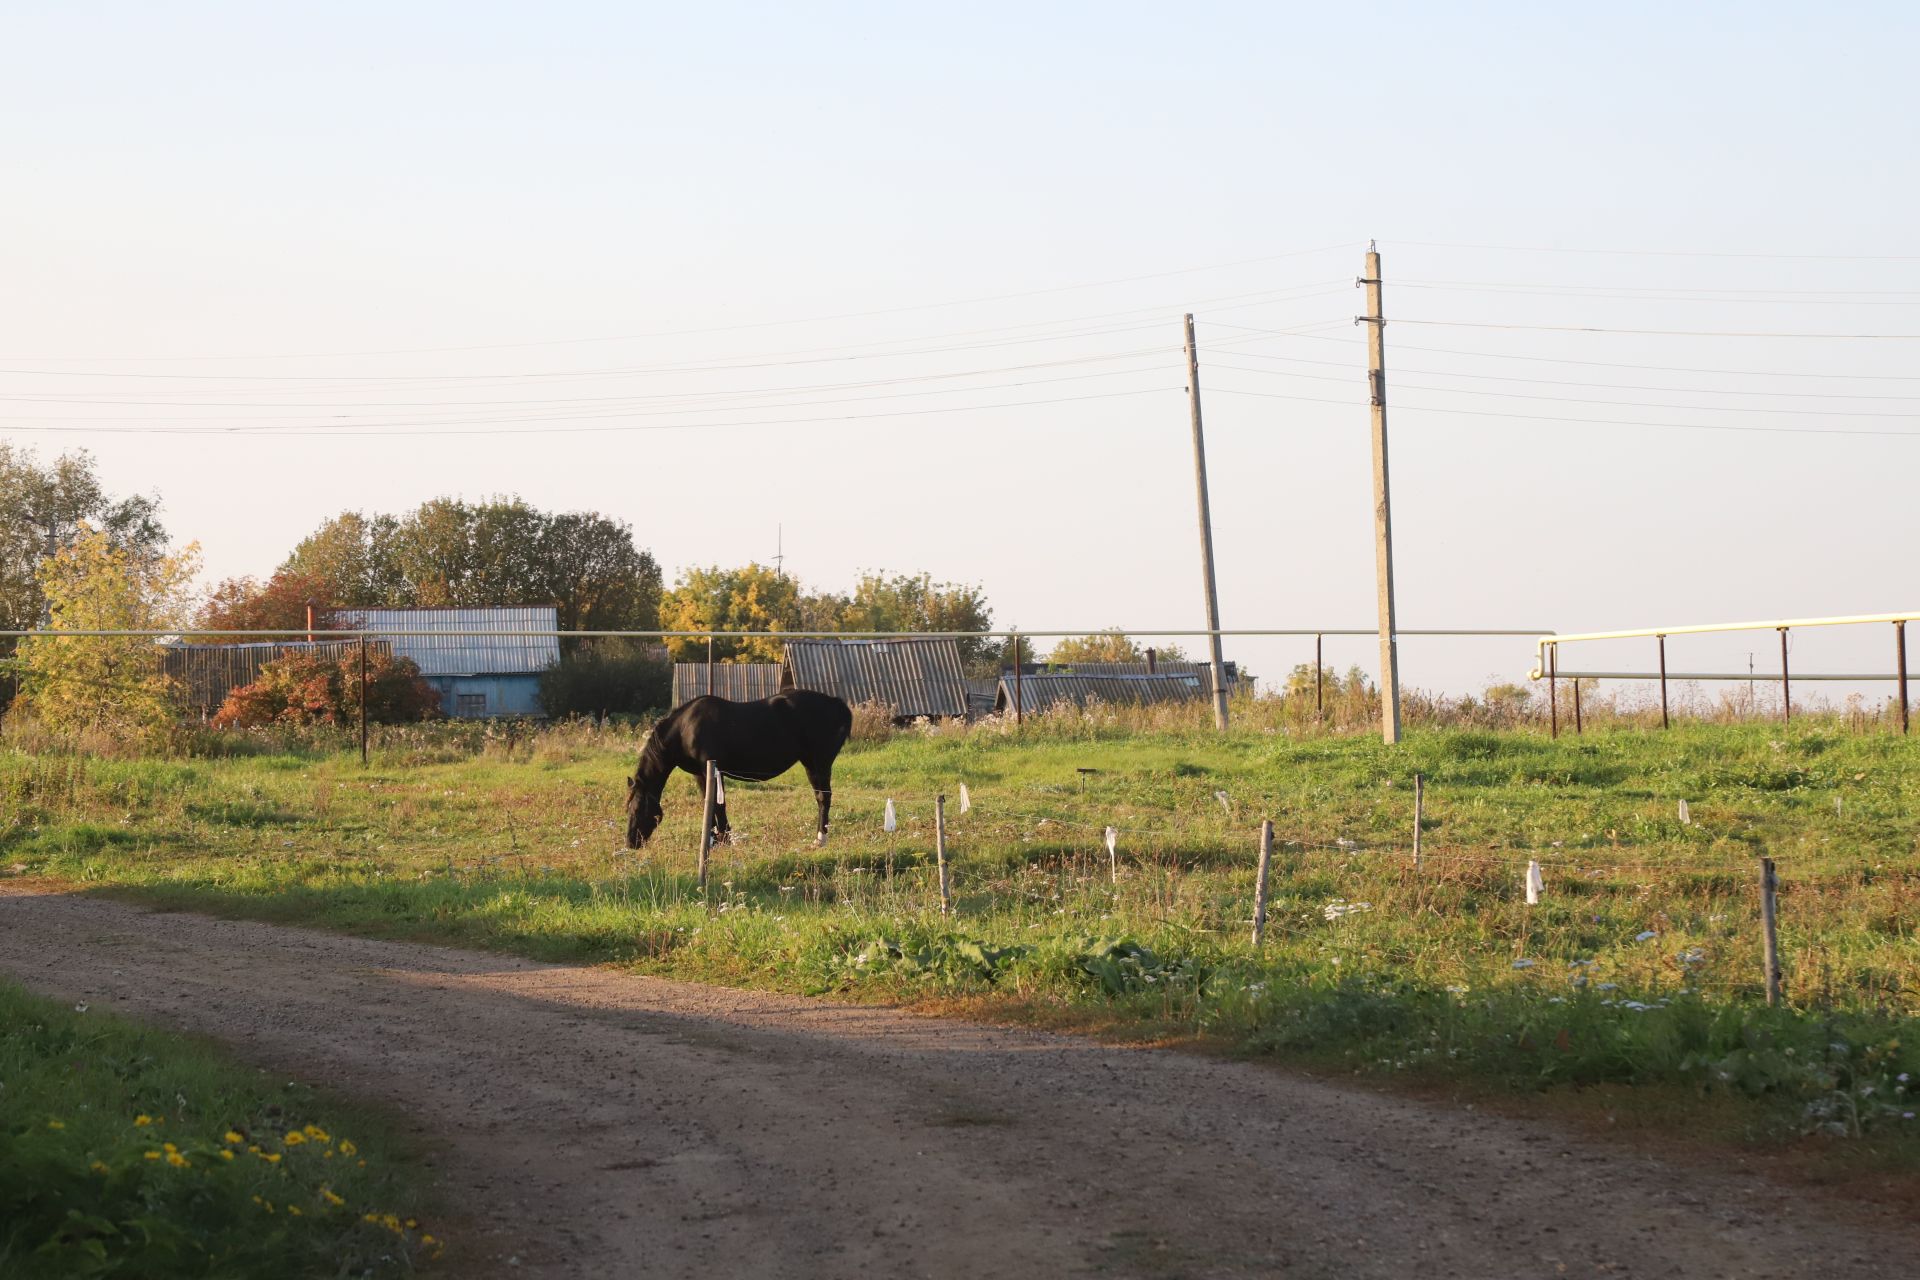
pixel 718 269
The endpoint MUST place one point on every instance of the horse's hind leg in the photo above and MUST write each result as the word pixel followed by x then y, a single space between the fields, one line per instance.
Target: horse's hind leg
pixel 822 782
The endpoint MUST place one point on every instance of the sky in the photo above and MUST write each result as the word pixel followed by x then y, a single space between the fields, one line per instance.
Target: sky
pixel 890 287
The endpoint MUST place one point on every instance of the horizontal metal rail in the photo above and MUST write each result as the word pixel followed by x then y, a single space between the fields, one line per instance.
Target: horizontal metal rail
pixel 341 633
pixel 1761 677
pixel 1643 633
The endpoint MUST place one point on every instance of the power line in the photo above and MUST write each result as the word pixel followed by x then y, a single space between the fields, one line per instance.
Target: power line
pixel 1669 253
pixel 735 328
pixel 1658 333
pixel 1598 422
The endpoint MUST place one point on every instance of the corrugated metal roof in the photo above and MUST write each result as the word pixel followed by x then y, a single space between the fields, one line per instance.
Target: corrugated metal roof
pixel 913 677
pixel 454 649
pixel 1037 693
pixel 734 681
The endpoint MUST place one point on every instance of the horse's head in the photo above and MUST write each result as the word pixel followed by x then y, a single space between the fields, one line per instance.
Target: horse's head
pixel 643 813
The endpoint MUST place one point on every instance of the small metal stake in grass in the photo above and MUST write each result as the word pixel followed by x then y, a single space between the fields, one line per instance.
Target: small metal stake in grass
pixel 940 853
pixel 1419 814
pixel 1260 881
pixel 1113 855
pixel 1769 929
pixel 706 820
pixel 1686 817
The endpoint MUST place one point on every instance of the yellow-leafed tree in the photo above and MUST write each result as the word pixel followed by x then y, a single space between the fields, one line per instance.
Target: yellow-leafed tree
pixel 105 684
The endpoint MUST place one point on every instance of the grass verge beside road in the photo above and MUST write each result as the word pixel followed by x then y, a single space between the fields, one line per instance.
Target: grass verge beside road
pixel 1639 967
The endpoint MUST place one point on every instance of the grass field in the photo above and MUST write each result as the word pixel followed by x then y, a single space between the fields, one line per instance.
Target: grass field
pixel 1640 965
pixel 127 1151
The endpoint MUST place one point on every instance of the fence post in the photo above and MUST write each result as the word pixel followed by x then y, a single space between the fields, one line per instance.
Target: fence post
pixel 1260 881
pixel 940 852
pixel 709 665
pixel 1665 722
pixel 1769 931
pixel 1319 683
pixel 1786 682
pixel 1018 698
pixel 1553 688
pixel 363 700
pixel 706 820
pixel 1152 660
pixel 1578 726
pixel 1900 667
pixel 1419 814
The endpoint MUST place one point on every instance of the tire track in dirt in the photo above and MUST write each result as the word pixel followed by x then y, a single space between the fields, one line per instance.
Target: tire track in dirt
pixel 602 1124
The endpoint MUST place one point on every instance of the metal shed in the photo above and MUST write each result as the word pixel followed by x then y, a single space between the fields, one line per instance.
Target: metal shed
pixel 1040 692
pixel 478 675
pixel 734 681
pixel 913 677
pixel 1177 667
pixel 207 673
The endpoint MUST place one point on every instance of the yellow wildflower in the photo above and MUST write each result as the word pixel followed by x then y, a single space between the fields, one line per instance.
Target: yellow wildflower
pixel 413 1222
pixel 225 1154
pixel 153 1155
pixel 369 1217
pixel 142 1121
pixel 348 1149
pixel 428 1240
pixel 234 1137
pixel 328 1155
pixel 390 1222
pixel 179 1161
pixel 327 1195
pixel 294 1209
pixel 255 1150
pixel 315 1132
pixel 271 1157
pixel 56 1124
pixel 295 1138
pixel 99 1167
pixel 169 1148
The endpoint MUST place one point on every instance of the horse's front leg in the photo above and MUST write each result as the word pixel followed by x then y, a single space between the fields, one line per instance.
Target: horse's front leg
pixel 823 794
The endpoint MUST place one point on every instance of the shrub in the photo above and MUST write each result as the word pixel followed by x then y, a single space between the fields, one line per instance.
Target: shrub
pixel 610 677
pixel 304 688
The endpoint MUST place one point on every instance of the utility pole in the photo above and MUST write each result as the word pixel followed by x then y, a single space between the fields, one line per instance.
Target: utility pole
pixel 1206 532
pixel 1376 322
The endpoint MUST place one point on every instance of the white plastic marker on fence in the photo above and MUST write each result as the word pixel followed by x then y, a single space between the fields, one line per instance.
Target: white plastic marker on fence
pixel 719 786
pixel 966 801
pixel 1113 855
pixel 1260 881
pixel 1686 816
pixel 1535 884
pixel 889 823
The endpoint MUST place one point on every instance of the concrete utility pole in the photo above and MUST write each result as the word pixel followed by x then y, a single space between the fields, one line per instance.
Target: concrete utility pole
pixel 1376 322
pixel 1206 532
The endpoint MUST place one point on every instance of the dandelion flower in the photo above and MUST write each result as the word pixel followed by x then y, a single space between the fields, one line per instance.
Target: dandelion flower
pixel 170 1149
pixel 328 1195
pixel 56 1124
pixel 142 1121
pixel 233 1136
pixel 152 1155
pixel 347 1148
pixel 315 1132
pixel 225 1154
pixel 294 1138
pixel 179 1161
pixel 99 1167
pixel 271 1157
pixel 294 1209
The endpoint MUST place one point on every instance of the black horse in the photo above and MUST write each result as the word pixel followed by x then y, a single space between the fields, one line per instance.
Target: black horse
pixel 757 740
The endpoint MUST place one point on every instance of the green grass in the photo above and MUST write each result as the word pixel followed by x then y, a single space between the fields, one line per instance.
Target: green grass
pixel 1444 972
pixel 126 1151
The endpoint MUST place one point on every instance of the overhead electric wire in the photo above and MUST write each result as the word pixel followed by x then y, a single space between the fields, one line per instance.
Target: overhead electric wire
pixel 678 426
pixel 735 328
pixel 1656 333
pixel 1666 253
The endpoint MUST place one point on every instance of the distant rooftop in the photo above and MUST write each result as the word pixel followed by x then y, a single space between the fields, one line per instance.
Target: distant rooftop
pixel 454 650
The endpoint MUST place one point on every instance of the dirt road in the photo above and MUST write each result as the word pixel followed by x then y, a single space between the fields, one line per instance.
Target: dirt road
pixel 609 1125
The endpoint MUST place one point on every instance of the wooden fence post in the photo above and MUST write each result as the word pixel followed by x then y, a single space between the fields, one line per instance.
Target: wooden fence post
pixel 363 700
pixel 1419 814
pixel 706 820
pixel 1769 929
pixel 940 852
pixel 1260 881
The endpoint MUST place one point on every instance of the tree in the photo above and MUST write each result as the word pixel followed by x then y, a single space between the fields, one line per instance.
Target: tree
pixel 111 684
pixel 753 598
pixel 306 688
pixel 1112 645
pixel 607 677
pixel 915 602
pixel 453 554
pixel 278 604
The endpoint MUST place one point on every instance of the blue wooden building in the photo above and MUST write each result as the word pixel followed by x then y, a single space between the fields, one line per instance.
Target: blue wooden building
pixel 478 675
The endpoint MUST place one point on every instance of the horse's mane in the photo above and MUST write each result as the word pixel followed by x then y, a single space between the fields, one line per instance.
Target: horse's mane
pixel 653 756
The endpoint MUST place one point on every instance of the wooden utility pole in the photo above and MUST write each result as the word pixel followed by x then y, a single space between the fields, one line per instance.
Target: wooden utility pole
pixel 1206 532
pixel 1376 322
